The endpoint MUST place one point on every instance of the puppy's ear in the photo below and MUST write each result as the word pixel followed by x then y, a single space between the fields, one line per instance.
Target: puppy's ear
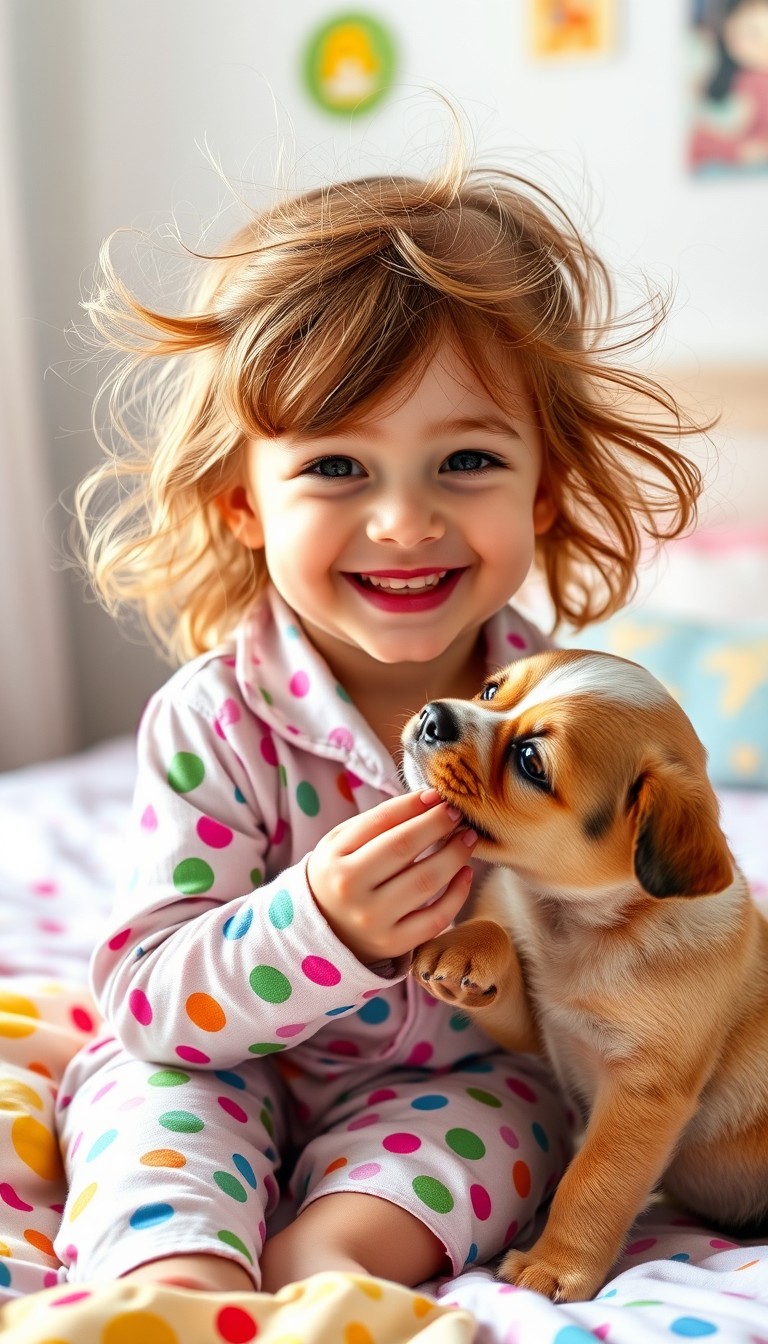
pixel 679 847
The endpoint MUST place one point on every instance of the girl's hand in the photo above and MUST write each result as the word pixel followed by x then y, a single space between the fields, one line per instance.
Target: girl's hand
pixel 365 879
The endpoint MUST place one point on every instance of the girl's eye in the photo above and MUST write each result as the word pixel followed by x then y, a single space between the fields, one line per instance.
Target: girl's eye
pixel 531 765
pixel 469 461
pixel 334 466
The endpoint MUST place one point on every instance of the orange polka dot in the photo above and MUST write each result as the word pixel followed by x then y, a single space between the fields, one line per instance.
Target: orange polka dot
pixel 37 1148
pixel 206 1012
pixel 749 1264
pixel 357 1333
pixel 163 1157
pixel 371 1288
pixel 337 1163
pixel 35 1066
pixel 343 785
pixel 40 1242
pixel 144 1325
pixel 521 1179
pixel 422 1306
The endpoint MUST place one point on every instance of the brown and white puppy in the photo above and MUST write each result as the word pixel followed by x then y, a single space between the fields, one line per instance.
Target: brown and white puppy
pixel 617 936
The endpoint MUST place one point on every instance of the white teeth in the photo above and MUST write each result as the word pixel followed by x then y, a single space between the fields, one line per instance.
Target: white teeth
pixel 417 583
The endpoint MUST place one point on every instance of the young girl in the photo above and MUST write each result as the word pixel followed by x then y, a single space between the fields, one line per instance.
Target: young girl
pixel 389 398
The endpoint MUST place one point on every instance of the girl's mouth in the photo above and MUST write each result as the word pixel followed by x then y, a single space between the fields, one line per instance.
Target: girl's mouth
pixel 403 591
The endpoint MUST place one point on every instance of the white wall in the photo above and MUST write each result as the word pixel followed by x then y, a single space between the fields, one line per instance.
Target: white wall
pixel 116 97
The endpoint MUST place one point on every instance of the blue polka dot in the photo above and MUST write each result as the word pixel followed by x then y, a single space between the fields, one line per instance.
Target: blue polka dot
pixel 681 1255
pixel 238 925
pixel 540 1137
pixel 472 1254
pixel 233 1079
pixel 573 1334
pixel 281 910
pixel 431 1102
pixel 478 1065
pixel 5 1275
pixel 334 1012
pixel 149 1215
pixel 692 1327
pixel 245 1169
pixel 609 1292
pixel 101 1143
pixel 292 631
pixel 374 1011
pixel 239 797
pixel 458 1022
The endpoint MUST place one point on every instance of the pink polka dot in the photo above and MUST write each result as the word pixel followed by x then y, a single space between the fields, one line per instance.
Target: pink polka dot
pixel 353 780
pixel 228 714
pixel 341 738
pixel 511 1232
pixel 95 1046
pixel 191 1055
pixel 365 1171
pixel 481 1201
pixel 509 1136
pixel 213 834
pixel 76 1144
pixel 381 1094
pixel 102 1092
pixel 47 888
pixel 232 1108
pixel 638 1247
pixel 268 749
pixel 50 926
pixel 517 641
pixel 718 1244
pixel 82 1019
pixel 521 1089
pixel 280 831
pixel 14 1201
pixel 420 1054
pixel 132 1103
pixel 149 819
pixel 299 684
pixel 140 1007
pixel 350 1049
pixel 320 971
pixel 401 1143
pixel 69 1299
pixel 293 1029
pixel 363 1121
pixel 119 940
pixel 374 994
pixel 50 1279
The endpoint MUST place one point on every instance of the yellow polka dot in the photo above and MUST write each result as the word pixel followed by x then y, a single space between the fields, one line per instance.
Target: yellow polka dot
pixel 15 1011
pixel 5 1248
pixel 82 1201
pixel 370 1287
pixel 17 1003
pixel 326 1287
pixel 37 1148
pixel 422 1306
pixel 357 1333
pixel 205 1012
pixel 131 1326
pixel 291 1292
pixel 16 1096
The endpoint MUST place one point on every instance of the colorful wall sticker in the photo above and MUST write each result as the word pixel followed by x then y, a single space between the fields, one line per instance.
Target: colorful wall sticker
pixel 349 63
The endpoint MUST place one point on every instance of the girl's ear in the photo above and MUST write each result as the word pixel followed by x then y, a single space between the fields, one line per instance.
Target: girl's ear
pixel 241 517
pixel 544 510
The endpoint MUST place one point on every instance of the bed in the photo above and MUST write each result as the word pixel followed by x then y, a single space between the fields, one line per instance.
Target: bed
pixel 704 630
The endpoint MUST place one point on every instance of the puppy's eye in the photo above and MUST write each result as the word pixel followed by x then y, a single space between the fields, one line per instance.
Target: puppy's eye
pixel 489 691
pixel 531 764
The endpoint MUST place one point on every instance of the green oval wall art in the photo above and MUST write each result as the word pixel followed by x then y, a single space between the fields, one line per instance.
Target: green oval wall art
pixel 349 63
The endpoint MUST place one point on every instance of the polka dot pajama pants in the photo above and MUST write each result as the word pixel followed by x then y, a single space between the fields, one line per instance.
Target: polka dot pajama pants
pixel 163 1161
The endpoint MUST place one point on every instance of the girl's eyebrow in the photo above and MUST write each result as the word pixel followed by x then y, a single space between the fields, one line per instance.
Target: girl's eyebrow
pixel 489 423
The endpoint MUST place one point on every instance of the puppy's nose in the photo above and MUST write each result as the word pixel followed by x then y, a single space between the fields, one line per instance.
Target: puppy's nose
pixel 437 724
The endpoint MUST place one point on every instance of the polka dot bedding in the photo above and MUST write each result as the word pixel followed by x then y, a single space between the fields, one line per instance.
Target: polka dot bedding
pixel 445 1139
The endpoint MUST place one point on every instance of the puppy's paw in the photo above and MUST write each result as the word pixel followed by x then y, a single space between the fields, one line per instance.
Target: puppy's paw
pixel 465 965
pixel 559 1281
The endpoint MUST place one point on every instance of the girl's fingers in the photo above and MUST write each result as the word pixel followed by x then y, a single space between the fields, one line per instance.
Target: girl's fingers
pixel 358 831
pixel 418 884
pixel 388 855
pixel 429 922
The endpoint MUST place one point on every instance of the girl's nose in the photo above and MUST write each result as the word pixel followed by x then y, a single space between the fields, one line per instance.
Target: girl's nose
pixel 405 519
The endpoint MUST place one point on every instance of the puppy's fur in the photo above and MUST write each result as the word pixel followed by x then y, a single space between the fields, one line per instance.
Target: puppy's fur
pixel 617 936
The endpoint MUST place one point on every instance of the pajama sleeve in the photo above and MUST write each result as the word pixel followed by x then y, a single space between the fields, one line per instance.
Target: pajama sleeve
pixel 208 960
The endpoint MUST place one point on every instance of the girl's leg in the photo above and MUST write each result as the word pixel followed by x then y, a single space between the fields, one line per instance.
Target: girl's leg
pixel 170 1170
pixel 355 1233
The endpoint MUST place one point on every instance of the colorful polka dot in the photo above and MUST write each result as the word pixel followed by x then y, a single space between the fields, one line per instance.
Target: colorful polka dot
pixel 522 1089
pixel 540 1137
pixel 268 749
pixel 206 1012
pixel 365 1171
pixel 281 910
pixel 270 984
pixel 307 798
pixel 163 1157
pixel 432 1101
pixel 320 971
pixel 193 877
pixel 186 772
pixel 140 1008
pixel 433 1193
pixel 230 1239
pixel 521 1179
pixel 481 1202
pixel 692 1327
pixel 299 684
pixel 401 1143
pixel 466 1143
pixel 230 1186
pixel 181 1122
pixel 245 1169
pixel 132 1325
pixel 236 1326
pixel 486 1098
pixel 238 925
pixel 150 1215
pixel 37 1148
pixel 168 1078
pixel 101 1144
pixel 213 833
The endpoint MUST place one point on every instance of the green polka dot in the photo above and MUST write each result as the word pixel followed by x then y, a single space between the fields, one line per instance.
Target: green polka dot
pixel 231 1186
pixel 168 1078
pixel 181 1122
pixel 307 799
pixel 465 1143
pixel 282 775
pixel 344 695
pixel 487 1098
pixel 266 695
pixel 185 772
pixel 256 876
pixel 193 876
pixel 230 1239
pixel 433 1193
pixel 268 1123
pixel 265 1048
pixel 270 984
pixel 458 1022
pixel 281 910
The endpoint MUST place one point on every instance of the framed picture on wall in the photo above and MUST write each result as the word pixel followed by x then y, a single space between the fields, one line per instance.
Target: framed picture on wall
pixel 728 77
pixel 572 27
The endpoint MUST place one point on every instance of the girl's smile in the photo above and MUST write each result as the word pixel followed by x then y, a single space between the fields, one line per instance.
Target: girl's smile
pixel 414 590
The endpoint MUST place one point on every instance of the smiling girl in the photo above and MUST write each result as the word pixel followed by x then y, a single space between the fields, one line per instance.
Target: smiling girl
pixel 387 402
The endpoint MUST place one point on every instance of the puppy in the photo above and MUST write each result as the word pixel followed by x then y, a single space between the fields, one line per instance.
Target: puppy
pixel 617 936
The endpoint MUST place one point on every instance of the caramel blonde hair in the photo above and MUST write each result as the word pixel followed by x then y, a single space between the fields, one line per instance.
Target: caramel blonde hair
pixel 315 309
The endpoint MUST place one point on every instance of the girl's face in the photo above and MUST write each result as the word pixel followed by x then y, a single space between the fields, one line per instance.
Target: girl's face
pixel 401 535
pixel 745 32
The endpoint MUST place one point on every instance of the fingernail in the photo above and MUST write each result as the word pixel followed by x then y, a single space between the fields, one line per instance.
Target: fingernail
pixel 469 837
pixel 430 796
pixel 453 813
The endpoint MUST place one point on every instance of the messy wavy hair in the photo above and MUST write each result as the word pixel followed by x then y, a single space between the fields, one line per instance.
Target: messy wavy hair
pixel 317 308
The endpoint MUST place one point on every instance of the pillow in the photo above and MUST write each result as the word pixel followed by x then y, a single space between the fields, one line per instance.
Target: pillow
pixel 719 674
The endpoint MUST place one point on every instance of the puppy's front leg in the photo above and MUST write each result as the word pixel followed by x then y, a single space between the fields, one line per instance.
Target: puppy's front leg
pixel 475 967
pixel 629 1140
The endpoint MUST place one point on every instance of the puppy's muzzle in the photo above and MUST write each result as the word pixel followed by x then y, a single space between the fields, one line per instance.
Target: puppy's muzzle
pixel 437 725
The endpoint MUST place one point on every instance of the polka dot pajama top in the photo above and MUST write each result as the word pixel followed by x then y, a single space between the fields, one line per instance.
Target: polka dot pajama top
pixel 242 1032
